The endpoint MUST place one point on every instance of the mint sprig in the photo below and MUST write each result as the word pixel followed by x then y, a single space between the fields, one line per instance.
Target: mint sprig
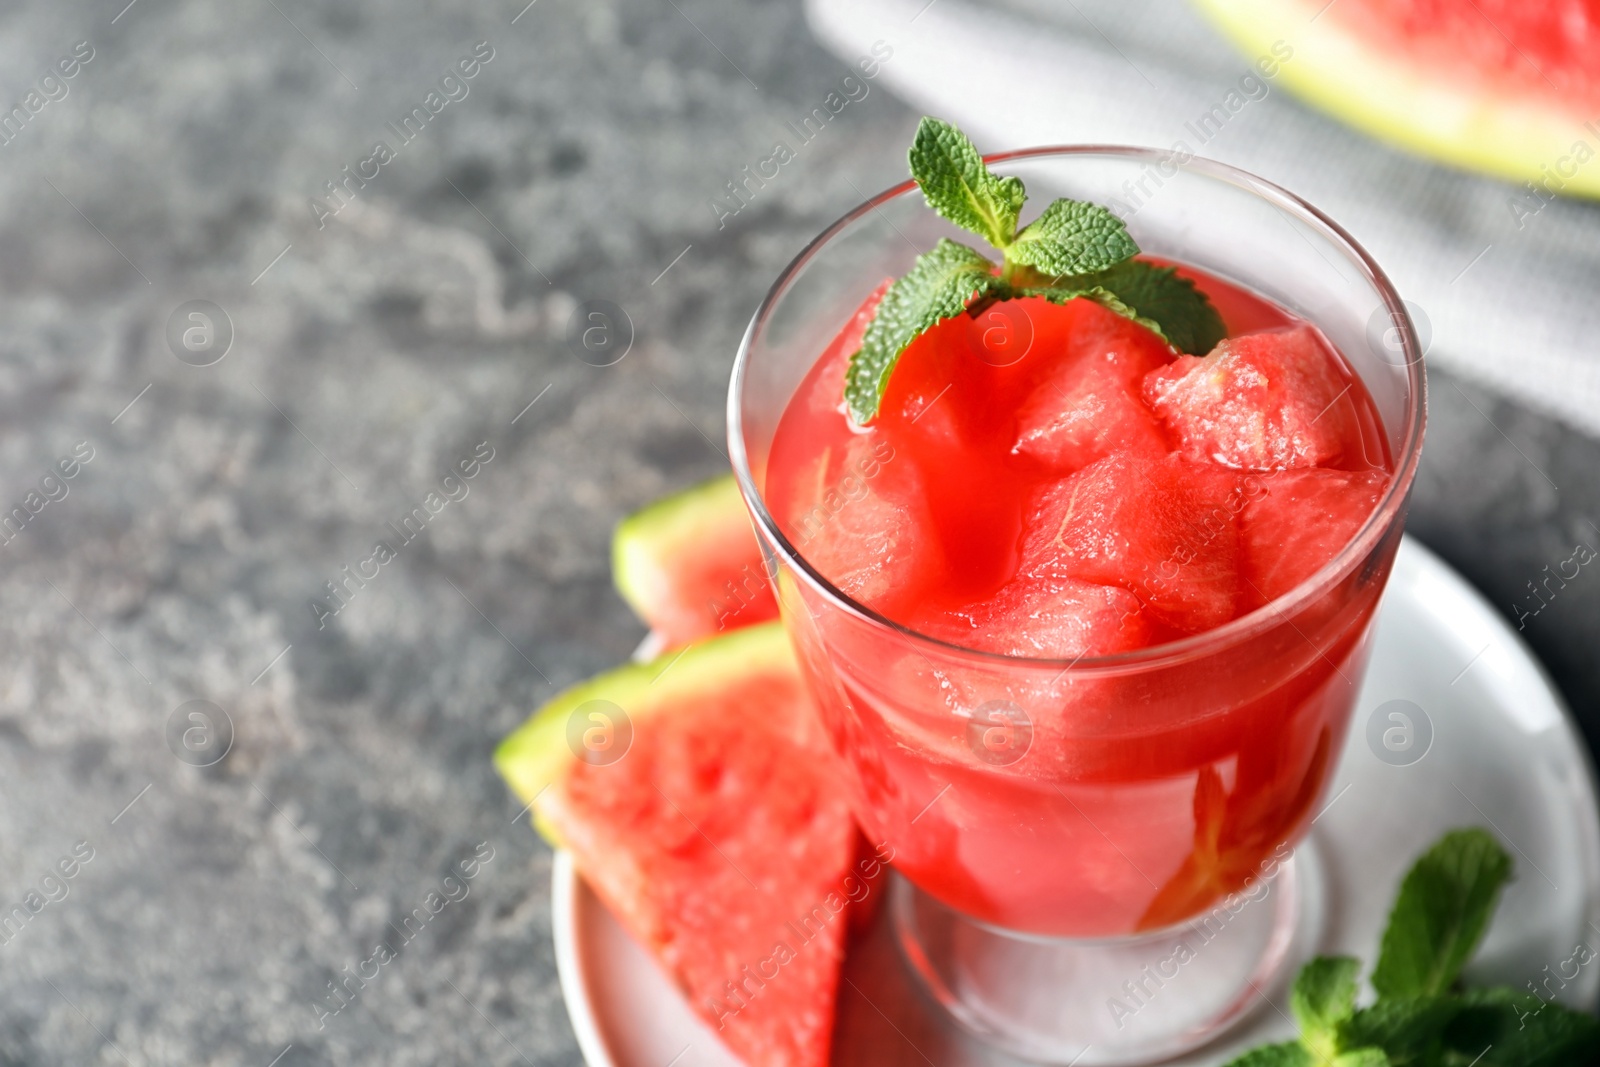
pixel 1421 1017
pixel 1073 249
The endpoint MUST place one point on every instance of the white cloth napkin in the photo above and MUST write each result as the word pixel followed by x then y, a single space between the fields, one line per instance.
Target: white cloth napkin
pixel 1514 307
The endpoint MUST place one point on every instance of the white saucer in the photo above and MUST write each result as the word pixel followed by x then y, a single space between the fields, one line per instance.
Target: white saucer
pixel 1504 754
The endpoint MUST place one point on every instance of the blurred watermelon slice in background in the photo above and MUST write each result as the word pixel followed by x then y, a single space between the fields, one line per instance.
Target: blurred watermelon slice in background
pixel 690 566
pixel 1507 87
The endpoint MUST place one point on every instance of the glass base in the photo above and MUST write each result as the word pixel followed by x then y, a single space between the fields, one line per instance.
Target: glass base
pixel 1123 1001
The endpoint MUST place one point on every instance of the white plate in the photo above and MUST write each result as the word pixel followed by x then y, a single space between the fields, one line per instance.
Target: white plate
pixel 1504 754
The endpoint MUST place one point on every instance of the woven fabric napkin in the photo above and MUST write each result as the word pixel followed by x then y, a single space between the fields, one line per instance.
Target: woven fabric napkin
pixel 1506 295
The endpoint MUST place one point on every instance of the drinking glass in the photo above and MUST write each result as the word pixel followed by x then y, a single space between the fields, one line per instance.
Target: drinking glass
pixel 1102 860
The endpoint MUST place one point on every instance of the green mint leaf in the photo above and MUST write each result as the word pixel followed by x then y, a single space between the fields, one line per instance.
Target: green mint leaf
pixel 1444 905
pixel 1363 1057
pixel 1323 998
pixel 1073 237
pixel 1104 297
pixel 1409 1030
pixel 938 286
pixel 958 185
pixel 1505 1028
pixel 1180 312
pixel 1288 1054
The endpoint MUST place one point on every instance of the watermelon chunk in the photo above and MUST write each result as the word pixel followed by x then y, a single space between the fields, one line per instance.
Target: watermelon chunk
pixel 822 401
pixel 1296 521
pixel 916 402
pixel 719 836
pixel 1050 617
pixel 1090 404
pixel 690 565
pixel 1164 529
pixel 863 527
pixel 1263 401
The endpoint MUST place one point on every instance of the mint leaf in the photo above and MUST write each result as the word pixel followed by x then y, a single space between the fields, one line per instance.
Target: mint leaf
pixel 1104 297
pixel 1439 917
pixel 1288 1054
pixel 1160 295
pixel 958 185
pixel 1323 998
pixel 1073 237
pixel 1409 1031
pixel 938 286
pixel 1505 1028
pixel 1445 902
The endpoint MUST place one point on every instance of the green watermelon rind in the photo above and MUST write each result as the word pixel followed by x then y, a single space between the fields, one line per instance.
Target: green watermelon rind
pixel 537 756
pixel 644 544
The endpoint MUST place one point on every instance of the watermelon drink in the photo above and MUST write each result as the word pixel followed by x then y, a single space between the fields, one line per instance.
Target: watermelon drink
pixel 1044 508
pixel 1084 616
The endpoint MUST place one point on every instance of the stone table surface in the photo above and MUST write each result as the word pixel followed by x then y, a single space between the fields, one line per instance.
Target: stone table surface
pixel 373 349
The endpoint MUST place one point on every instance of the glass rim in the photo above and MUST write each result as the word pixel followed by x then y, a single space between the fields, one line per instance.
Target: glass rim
pixel 1247 625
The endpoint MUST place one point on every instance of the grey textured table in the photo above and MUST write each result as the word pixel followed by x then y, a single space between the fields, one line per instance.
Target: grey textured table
pixel 374 349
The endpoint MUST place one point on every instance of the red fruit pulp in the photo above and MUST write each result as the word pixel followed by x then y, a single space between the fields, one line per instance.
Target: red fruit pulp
pixel 1054 481
pixel 1489 47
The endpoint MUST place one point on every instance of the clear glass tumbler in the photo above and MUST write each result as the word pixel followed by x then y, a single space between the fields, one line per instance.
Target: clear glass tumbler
pixel 1101 861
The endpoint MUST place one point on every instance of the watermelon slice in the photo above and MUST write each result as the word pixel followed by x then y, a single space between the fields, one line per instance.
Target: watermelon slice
pixel 1296 521
pixel 1263 401
pixel 690 565
pixel 709 819
pixel 1501 86
pixel 1163 528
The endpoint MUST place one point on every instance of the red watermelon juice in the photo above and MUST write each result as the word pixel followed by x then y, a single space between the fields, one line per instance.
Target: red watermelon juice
pixel 1055 490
